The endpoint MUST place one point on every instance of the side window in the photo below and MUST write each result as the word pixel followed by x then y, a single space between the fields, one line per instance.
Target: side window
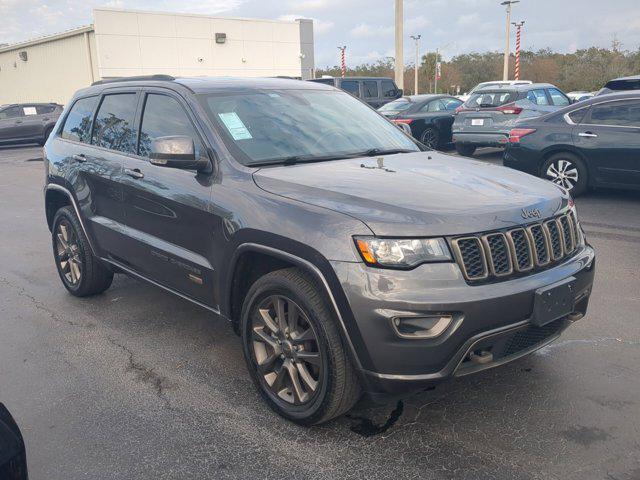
pixel 433 106
pixel 625 114
pixel 44 109
pixel 451 103
pixel 388 89
pixel 370 88
pixel 77 126
pixel 538 97
pixel 351 86
pixel 558 98
pixel 11 112
pixel 113 128
pixel 163 117
pixel 577 115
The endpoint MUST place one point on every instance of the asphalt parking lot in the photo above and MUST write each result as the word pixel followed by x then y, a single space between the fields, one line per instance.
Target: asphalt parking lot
pixel 136 383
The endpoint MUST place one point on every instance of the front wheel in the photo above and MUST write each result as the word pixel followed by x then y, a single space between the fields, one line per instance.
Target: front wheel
pixel 567 170
pixel 465 149
pixel 294 351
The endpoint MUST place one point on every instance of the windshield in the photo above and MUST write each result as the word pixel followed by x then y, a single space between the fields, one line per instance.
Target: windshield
pixel 399 105
pixel 271 126
pixel 488 99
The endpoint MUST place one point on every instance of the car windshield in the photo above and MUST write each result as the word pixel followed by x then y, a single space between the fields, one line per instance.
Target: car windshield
pixel 490 98
pixel 399 105
pixel 280 126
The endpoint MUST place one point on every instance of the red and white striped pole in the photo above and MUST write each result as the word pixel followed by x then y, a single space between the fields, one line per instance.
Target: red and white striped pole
pixel 518 42
pixel 343 60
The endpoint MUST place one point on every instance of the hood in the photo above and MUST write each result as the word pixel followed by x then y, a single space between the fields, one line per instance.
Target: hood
pixel 417 194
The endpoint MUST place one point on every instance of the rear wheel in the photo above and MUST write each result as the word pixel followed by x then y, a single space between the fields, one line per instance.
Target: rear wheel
pixel 430 137
pixel 465 149
pixel 81 272
pixel 294 351
pixel 567 170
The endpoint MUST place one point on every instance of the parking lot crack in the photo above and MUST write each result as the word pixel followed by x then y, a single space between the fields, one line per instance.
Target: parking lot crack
pixel 143 373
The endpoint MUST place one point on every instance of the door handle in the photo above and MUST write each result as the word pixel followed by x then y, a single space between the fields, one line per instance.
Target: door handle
pixel 80 158
pixel 135 173
pixel 588 135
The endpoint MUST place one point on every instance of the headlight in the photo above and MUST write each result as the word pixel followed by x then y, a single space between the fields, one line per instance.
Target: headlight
pixel 401 252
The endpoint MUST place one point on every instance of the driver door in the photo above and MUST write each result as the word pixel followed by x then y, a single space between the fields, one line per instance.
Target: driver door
pixel 167 209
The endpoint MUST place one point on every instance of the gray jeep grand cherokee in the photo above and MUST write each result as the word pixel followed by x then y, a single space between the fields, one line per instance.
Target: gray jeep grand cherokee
pixel 348 258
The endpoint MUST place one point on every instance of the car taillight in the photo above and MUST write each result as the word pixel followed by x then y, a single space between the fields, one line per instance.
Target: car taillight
pixel 510 109
pixel 402 120
pixel 517 133
pixel 459 109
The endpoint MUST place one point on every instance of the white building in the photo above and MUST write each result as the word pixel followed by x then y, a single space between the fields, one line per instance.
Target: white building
pixel 126 43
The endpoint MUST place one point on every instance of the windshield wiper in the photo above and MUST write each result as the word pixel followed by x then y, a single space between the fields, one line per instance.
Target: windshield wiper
pixel 372 152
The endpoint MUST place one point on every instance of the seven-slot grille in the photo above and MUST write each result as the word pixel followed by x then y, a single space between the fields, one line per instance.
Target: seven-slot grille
pixel 501 254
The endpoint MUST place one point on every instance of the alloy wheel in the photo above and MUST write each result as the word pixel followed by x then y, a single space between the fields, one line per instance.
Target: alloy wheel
pixel 563 173
pixel 68 253
pixel 285 349
pixel 430 138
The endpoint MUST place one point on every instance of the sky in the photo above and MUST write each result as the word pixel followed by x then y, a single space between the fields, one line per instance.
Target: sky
pixel 366 26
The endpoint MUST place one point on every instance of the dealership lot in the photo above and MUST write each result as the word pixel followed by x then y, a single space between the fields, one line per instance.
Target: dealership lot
pixel 136 383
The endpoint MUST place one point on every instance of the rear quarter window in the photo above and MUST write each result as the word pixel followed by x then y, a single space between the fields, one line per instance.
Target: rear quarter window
pixel 77 125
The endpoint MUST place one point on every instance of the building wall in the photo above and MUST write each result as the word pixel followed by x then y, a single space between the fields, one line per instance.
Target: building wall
pixel 142 43
pixel 54 70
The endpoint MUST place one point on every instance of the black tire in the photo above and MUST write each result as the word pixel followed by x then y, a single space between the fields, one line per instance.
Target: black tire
pixel 567 170
pixel 93 277
pixel 338 387
pixel 465 149
pixel 430 137
pixel 47 132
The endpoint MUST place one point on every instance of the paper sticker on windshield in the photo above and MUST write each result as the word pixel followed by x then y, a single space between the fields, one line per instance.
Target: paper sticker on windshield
pixel 235 126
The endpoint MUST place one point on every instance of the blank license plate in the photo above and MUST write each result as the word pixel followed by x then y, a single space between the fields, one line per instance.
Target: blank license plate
pixel 553 302
pixel 477 121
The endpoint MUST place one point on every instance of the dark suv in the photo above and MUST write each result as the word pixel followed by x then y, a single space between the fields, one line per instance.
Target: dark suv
pixel 348 258
pixel 376 91
pixel 28 122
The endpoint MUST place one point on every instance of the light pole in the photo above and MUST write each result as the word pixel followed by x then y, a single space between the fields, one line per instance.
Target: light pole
pixel 399 44
pixel 505 71
pixel 436 74
pixel 416 38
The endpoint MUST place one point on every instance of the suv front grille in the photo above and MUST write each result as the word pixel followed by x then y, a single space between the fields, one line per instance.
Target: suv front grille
pixel 500 255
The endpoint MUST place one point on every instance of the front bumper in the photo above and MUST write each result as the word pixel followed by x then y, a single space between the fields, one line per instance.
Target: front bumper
pixel 488 139
pixel 492 316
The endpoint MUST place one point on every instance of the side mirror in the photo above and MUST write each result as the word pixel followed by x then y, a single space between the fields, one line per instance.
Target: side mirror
pixel 176 152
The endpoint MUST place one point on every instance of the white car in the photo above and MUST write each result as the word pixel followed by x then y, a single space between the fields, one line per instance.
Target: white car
pixel 494 83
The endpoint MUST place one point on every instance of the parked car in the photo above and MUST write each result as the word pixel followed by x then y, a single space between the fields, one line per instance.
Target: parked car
pixel 13 457
pixel 486 119
pixel 376 91
pixel 28 122
pixel 620 84
pixel 494 84
pixel 346 257
pixel 579 95
pixel 429 117
pixel 593 143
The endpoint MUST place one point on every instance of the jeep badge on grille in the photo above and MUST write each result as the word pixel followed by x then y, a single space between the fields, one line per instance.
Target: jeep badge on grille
pixel 533 213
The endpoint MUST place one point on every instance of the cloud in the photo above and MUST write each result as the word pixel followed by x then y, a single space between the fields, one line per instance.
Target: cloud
pixel 468 19
pixel 310 4
pixel 319 26
pixel 364 30
pixel 415 23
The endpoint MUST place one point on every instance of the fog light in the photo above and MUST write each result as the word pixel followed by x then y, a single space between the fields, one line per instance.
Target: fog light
pixel 429 326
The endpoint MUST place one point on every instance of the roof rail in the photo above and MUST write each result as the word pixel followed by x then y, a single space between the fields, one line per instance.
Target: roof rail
pixel 159 77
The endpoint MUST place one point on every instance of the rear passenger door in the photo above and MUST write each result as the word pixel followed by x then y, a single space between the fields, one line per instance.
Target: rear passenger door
pixel 93 173
pixel 167 209
pixel 30 125
pixel 609 137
